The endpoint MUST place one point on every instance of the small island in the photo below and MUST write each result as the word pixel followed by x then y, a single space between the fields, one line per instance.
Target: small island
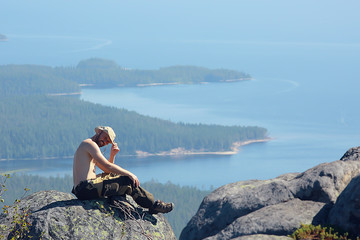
pixel 102 73
pixel 3 38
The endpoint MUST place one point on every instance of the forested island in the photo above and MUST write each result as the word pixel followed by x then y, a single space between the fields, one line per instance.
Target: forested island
pixel 105 73
pixel 37 124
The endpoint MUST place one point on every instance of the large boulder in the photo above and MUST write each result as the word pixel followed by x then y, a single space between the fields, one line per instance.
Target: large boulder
pixel 272 207
pixel 58 215
pixel 346 212
pixel 326 181
pixel 280 219
pixel 229 202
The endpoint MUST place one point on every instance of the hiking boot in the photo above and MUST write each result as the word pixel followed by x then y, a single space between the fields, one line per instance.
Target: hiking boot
pixel 161 207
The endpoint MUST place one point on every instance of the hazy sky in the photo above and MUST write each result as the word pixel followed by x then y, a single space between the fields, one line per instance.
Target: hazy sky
pixel 177 32
pixel 278 20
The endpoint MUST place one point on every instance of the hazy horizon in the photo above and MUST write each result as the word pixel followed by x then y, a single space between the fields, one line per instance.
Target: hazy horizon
pixel 241 35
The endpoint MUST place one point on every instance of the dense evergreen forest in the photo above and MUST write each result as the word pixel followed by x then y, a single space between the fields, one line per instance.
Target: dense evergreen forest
pixel 186 199
pixel 45 126
pixel 38 125
pixel 16 80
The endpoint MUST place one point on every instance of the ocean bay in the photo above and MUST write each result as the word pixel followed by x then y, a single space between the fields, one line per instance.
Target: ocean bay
pixel 300 139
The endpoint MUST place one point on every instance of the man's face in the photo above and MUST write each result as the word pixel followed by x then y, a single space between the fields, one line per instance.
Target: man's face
pixel 103 139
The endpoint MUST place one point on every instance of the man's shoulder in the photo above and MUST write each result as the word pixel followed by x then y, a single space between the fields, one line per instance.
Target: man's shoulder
pixel 88 143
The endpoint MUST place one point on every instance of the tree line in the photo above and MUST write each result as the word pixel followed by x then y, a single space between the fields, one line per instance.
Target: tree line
pixel 19 80
pixel 47 126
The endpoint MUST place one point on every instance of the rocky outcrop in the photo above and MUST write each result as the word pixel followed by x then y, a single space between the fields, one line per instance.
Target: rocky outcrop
pixel 346 212
pixel 57 215
pixel 273 208
pixel 262 221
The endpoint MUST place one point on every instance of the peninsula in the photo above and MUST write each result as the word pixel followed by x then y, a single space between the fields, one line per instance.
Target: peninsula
pixel 48 98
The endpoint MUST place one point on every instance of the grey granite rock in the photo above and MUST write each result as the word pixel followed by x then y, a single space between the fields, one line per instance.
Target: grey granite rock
pixel 232 210
pixel 326 181
pixel 281 219
pixel 346 211
pixel 57 215
pixel 232 201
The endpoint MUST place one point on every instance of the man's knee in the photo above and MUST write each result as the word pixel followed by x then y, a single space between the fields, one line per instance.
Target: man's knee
pixel 117 186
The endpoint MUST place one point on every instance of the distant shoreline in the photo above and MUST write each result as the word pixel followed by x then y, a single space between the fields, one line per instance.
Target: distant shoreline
pixel 181 151
pixel 144 85
pixel 173 152
pixel 155 84
pixel 177 83
pixel 64 94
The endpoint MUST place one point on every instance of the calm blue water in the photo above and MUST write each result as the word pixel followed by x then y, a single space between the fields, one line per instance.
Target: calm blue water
pixel 308 128
pixel 307 102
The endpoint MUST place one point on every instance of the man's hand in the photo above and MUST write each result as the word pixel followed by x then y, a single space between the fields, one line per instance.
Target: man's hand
pixel 135 180
pixel 114 149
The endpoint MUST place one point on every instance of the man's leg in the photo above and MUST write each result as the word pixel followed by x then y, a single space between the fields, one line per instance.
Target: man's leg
pixel 142 197
pixel 120 185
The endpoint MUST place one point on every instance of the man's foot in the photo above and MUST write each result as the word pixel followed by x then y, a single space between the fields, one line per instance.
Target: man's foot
pixel 161 207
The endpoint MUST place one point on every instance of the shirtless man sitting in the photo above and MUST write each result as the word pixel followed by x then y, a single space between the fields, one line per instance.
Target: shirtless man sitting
pixel 115 180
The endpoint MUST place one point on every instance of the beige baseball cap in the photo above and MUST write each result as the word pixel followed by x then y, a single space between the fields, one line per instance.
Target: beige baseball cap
pixel 110 132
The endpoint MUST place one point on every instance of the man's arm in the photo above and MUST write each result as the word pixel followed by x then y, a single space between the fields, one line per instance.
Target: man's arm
pixel 114 150
pixel 107 166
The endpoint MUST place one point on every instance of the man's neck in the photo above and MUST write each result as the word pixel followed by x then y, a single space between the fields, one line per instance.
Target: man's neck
pixel 95 139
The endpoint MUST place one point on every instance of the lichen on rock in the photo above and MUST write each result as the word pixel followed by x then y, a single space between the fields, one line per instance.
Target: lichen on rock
pixel 58 215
